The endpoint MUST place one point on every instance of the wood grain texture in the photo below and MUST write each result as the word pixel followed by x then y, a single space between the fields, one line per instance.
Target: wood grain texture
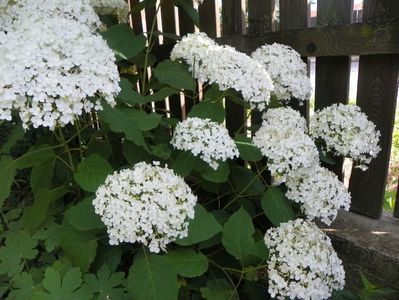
pixel 377 92
pixel 260 16
pixel 232 24
pixel 293 14
pixel 333 73
pixel 208 14
pixel 380 10
pixel 340 40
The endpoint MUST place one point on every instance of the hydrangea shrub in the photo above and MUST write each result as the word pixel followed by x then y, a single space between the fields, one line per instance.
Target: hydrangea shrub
pixel 114 197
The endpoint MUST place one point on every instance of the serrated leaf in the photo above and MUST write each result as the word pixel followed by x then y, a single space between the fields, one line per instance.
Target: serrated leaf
pixel 160 95
pixel 209 110
pixel 79 246
pixel 123 41
pixel 23 287
pixel 92 172
pixel 187 262
pixel 218 289
pixel 151 277
pixel 18 246
pixel 82 216
pixel 184 163
pixel 36 214
pixel 50 233
pixel 248 151
pixel 175 75
pixel 7 174
pixel 203 227
pixel 221 174
pixel 57 288
pixel 238 234
pixel 128 94
pixel 276 206
pixel 106 285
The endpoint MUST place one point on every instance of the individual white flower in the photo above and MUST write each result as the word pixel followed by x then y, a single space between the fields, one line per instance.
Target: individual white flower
pixel 147 204
pixel 30 11
pixel 302 262
pixel 320 193
pixel 287 70
pixel 285 116
pixel 206 139
pixel 290 152
pixel 346 131
pixel 225 66
pixel 54 70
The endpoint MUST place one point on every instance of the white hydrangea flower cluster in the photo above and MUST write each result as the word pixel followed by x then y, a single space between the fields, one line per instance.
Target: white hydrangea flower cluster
pixel 206 139
pixel 346 131
pixel 225 66
pixel 286 69
pixel 50 69
pixel 147 204
pixel 31 11
pixel 290 151
pixel 303 263
pixel 320 193
pixel 286 116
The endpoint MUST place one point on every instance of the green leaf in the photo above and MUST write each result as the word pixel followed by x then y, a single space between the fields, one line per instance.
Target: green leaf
pixel 42 175
pixel 248 151
pixel 79 246
pixel 220 175
pixel 184 163
pixel 151 277
pixel 36 214
pixel 69 287
pixel 106 285
pixel 92 172
pixel 7 173
pixel 160 95
pixel 175 75
pixel 123 41
pixel 238 234
pixel 50 233
pixel 218 289
pixel 162 151
pixel 19 246
pixel 276 206
pixel 189 9
pixel 134 153
pixel 128 94
pixel 82 216
pixel 23 287
pixel 203 227
pixel 16 134
pixel 35 156
pixel 187 262
pixel 211 110
pixel 246 181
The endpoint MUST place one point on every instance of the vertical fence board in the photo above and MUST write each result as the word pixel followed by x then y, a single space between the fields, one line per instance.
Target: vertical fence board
pixel 333 73
pixel 396 210
pixel 232 24
pixel 377 92
pixel 208 14
pixel 135 19
pixel 294 14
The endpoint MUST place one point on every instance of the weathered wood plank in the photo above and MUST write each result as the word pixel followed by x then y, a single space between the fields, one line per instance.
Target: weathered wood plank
pixel 168 19
pixel 232 24
pixel 380 10
pixel 333 73
pixel 135 20
pixel 377 92
pixel 151 20
pixel 260 16
pixel 341 40
pixel 396 210
pixel 208 14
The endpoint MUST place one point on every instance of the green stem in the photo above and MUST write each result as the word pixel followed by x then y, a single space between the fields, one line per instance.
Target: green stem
pixel 66 147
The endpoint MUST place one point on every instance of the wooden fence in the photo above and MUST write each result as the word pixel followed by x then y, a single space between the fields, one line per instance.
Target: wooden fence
pixel 246 25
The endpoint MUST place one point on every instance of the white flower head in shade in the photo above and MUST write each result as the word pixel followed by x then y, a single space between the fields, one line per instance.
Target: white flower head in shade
pixel 147 204
pixel 320 193
pixel 285 116
pixel 206 139
pixel 111 7
pixel 290 151
pixel 346 131
pixel 302 262
pixel 287 70
pixel 30 11
pixel 225 66
pixel 54 70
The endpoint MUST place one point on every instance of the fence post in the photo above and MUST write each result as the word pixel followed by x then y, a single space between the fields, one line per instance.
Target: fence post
pixel 377 92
